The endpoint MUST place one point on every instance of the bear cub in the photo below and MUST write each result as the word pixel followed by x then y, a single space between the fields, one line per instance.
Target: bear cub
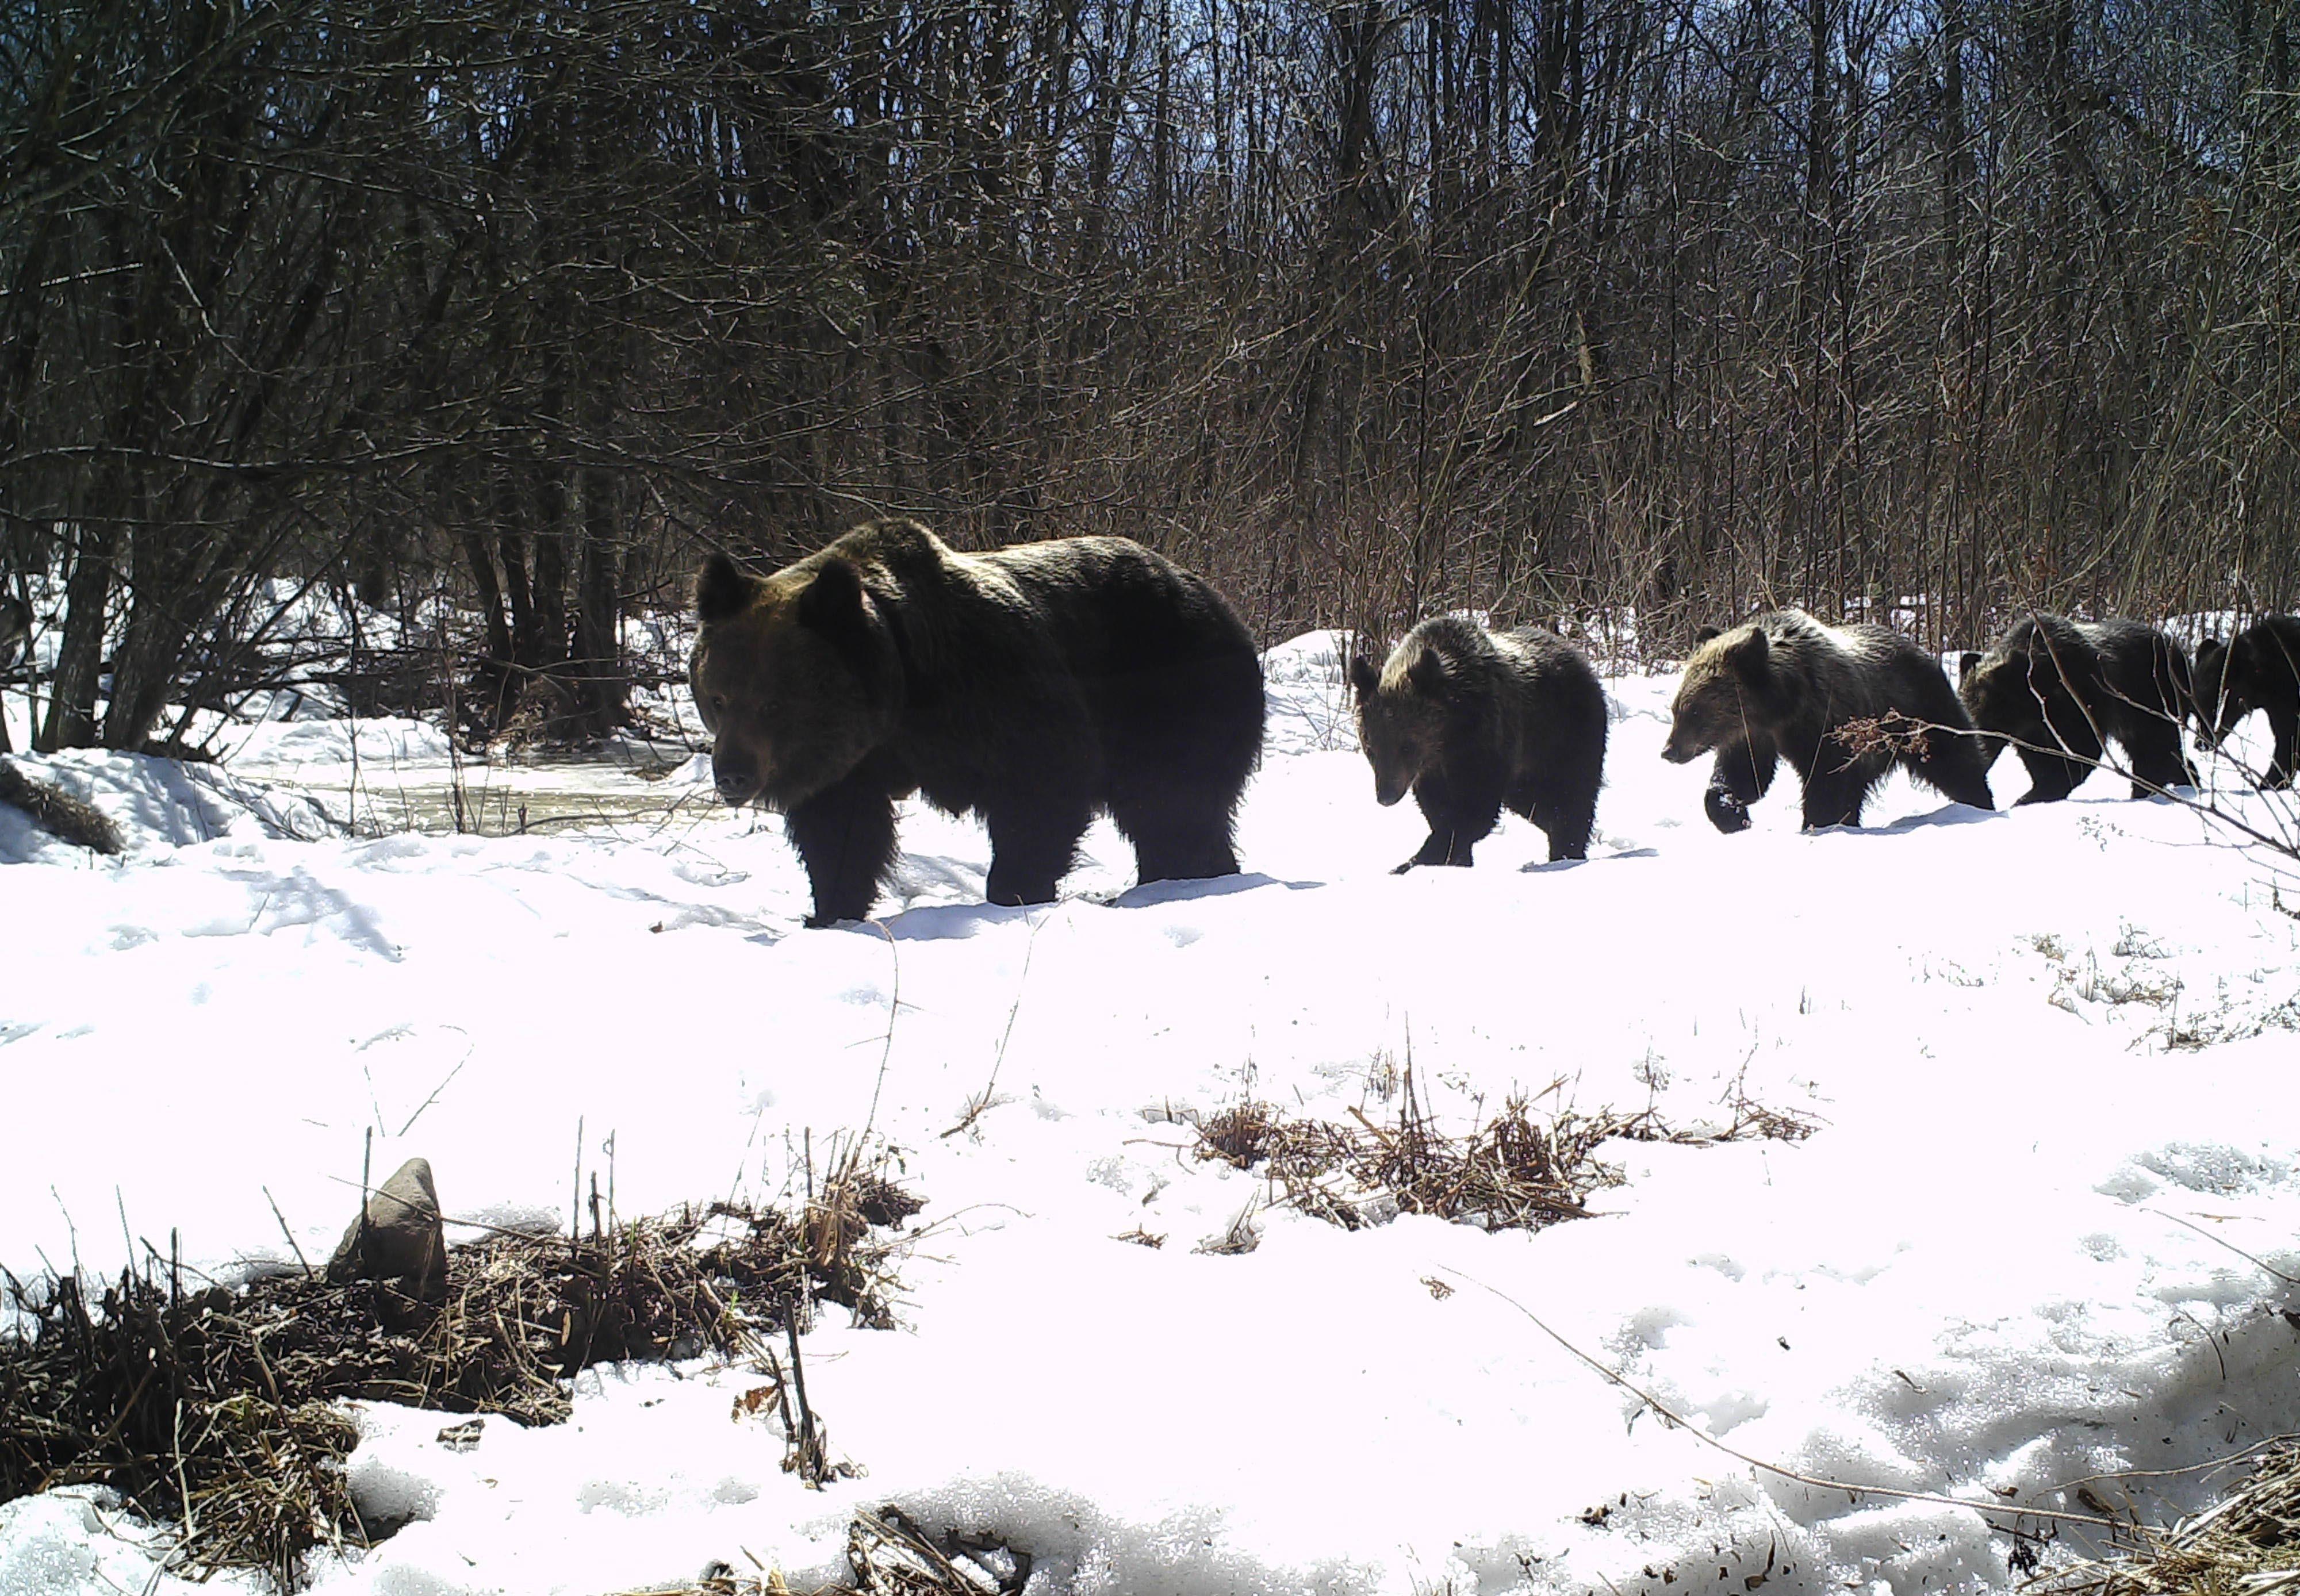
pixel 1035 686
pixel 2258 669
pixel 1784 683
pixel 2059 688
pixel 1475 721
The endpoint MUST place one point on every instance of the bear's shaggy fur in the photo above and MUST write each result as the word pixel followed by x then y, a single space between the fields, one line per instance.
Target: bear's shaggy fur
pixel 2058 689
pixel 1474 721
pixel 1785 684
pixel 1032 685
pixel 2258 669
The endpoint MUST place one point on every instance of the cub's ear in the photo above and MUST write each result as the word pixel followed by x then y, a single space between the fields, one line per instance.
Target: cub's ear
pixel 1428 674
pixel 722 590
pixel 1966 662
pixel 835 601
pixel 1752 653
pixel 1704 634
pixel 1363 677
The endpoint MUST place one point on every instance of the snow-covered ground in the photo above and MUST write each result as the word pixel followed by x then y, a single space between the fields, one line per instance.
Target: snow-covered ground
pixel 2046 1231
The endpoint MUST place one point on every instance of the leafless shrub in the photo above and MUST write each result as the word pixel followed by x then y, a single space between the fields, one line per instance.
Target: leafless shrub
pixel 1891 733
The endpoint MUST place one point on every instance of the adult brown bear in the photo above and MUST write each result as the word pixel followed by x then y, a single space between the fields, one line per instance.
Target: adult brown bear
pixel 1034 687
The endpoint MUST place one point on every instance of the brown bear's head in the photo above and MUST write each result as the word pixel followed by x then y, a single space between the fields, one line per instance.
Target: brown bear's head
pixel 2220 698
pixel 1997 691
pixel 1401 717
pixel 796 675
pixel 1728 675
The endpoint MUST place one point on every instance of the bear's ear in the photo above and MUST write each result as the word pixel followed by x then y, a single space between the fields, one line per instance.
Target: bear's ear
pixel 1752 653
pixel 1363 677
pixel 835 601
pixel 1428 674
pixel 1704 634
pixel 1965 664
pixel 722 590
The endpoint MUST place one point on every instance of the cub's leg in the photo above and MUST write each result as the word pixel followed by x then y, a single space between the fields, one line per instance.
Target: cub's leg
pixel 1743 773
pixel 1460 816
pixel 2052 777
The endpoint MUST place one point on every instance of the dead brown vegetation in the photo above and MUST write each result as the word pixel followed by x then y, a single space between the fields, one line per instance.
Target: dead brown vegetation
pixel 219 1409
pixel 2245 1544
pixel 1516 1170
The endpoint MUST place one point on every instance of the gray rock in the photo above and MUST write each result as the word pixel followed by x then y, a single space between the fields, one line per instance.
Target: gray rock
pixel 404 1240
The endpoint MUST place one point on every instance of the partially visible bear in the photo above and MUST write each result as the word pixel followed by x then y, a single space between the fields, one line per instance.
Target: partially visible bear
pixel 1785 684
pixel 2059 689
pixel 1474 721
pixel 2259 669
pixel 1034 685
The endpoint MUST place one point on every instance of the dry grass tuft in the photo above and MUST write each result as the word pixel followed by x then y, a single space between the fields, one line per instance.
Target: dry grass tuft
pixel 854 1199
pixel 1242 1137
pixel 2247 1544
pixel 1515 1172
pixel 215 1408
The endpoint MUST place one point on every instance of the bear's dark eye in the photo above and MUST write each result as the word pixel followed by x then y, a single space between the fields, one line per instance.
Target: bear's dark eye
pixel 718 703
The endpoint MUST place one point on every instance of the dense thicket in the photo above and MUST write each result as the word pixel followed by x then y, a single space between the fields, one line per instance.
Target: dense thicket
pixel 1367 307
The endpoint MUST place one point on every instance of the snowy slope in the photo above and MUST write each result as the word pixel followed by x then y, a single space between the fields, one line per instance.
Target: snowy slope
pixel 2053 1050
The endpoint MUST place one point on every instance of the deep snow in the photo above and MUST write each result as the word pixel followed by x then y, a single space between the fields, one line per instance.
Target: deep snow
pixel 2053 1050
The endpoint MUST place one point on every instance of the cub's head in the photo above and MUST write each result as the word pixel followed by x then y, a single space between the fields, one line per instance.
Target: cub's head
pixel 796 675
pixel 2221 699
pixel 1400 716
pixel 1997 691
pixel 1729 674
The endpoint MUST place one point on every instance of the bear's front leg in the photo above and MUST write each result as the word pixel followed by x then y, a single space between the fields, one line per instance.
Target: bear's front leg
pixel 1460 816
pixel 845 835
pixel 1726 813
pixel 1438 849
pixel 2052 777
pixel 1743 771
pixel 1954 766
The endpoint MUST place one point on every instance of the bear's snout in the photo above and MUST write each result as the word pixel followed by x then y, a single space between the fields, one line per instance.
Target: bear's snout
pixel 737 781
pixel 1677 753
